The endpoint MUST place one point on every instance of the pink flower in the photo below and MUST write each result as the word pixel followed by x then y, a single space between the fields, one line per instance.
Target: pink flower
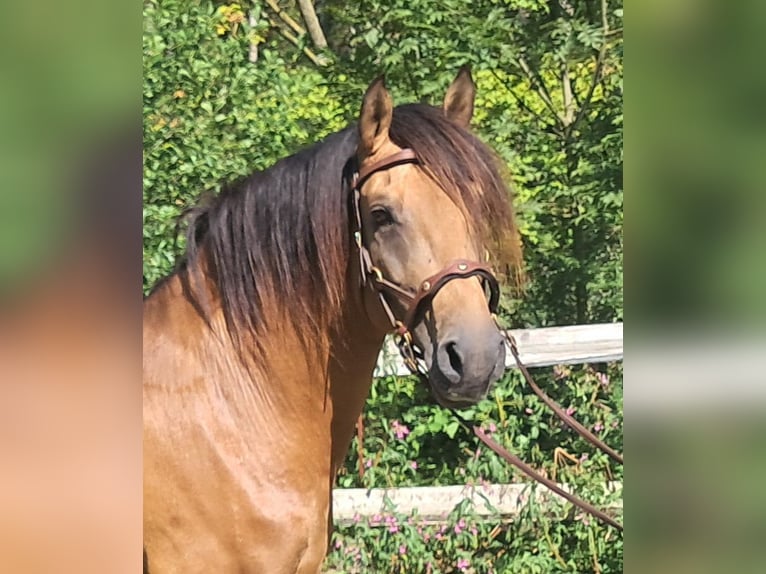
pixel 402 549
pixel 570 411
pixel 413 465
pixel 399 429
pixel 460 526
pixel 463 564
pixel 393 525
pixel 338 544
pixel 368 463
pixel 584 457
pixel 603 379
pixel 357 518
pixel 528 411
pixel 598 427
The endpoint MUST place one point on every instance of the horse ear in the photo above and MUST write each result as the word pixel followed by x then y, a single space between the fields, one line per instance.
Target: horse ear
pixel 375 117
pixel 458 103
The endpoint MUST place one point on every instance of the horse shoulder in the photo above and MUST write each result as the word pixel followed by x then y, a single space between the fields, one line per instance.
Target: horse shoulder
pixel 215 498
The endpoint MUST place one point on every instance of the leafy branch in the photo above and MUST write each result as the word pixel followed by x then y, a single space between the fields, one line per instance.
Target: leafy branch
pixel 597 72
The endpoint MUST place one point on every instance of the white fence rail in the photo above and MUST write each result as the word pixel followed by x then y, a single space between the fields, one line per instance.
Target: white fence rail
pixel 436 502
pixel 538 348
pixel 576 344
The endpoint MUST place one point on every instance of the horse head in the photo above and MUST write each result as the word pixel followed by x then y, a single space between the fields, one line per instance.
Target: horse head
pixel 430 205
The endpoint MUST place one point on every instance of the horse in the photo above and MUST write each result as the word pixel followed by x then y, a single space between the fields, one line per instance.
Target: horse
pixel 259 349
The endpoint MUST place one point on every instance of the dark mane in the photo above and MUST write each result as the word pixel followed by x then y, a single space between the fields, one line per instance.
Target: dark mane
pixel 280 239
pixel 277 239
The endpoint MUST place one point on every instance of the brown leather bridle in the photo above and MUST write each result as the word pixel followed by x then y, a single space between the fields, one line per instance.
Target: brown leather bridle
pixel 417 303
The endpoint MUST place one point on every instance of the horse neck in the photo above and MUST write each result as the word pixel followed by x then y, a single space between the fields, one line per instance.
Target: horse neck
pixel 355 347
pixel 321 391
pixel 316 394
pixel 284 384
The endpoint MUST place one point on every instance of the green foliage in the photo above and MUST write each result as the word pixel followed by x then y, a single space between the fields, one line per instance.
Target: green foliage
pixel 403 425
pixel 408 441
pixel 211 116
pixel 549 77
pixel 397 543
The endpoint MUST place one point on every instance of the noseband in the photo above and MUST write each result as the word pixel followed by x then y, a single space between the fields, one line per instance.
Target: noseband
pixel 417 302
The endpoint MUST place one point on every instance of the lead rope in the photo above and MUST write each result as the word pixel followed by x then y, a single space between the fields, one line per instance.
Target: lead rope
pixel 554 406
pixel 409 354
pixel 533 474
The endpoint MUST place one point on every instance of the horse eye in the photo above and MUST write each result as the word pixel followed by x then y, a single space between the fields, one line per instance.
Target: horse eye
pixel 381 217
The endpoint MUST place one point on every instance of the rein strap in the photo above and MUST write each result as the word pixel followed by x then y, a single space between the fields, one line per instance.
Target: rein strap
pixel 533 474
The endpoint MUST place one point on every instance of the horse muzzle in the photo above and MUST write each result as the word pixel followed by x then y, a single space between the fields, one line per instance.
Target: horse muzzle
pixel 462 367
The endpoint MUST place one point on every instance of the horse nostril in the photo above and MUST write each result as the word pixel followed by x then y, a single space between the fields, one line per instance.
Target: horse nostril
pixel 455 361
